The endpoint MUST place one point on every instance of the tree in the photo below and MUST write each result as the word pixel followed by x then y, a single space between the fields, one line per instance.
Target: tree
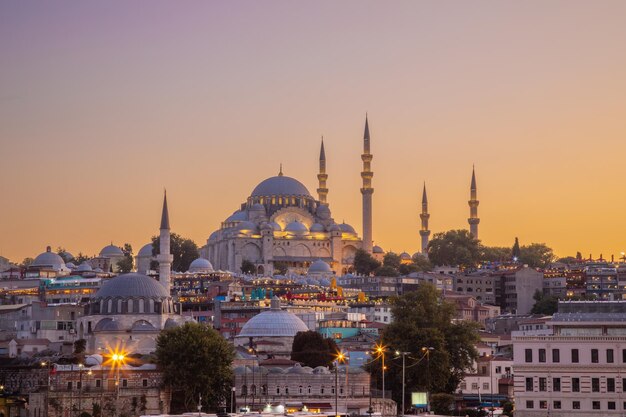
pixel 392 260
pixel 80 346
pixel 281 267
pixel 312 349
pixel 544 304
pixel 441 403
pixel 247 267
pixel 568 260
pixel 80 258
pixel 364 263
pixel 387 271
pixel 536 255
pixel 507 408
pixel 454 247
pixel 185 251
pixel 195 359
pixel 126 264
pixel 494 254
pixel 579 256
pixel 422 263
pixel 515 251
pixel 26 262
pixel 423 320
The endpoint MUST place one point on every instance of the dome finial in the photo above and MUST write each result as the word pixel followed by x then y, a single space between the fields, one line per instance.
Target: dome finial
pixel 280 172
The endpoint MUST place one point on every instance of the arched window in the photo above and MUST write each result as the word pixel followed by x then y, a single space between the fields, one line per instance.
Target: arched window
pixel 130 305
pixel 277 390
pixel 109 306
pixel 308 389
pixel 300 389
pixel 253 389
pixel 322 389
pixel 244 390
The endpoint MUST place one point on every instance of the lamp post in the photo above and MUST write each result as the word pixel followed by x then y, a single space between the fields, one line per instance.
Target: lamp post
pixel 118 361
pixel 47 365
pixel 339 358
pixel 232 400
pixel 403 354
pixel 380 350
pixel 80 387
pixel 426 351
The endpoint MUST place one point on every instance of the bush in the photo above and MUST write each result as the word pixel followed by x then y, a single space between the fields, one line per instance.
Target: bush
pixel 441 403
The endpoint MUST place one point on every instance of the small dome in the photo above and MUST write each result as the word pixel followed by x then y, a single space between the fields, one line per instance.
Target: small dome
pixel 201 265
pixel 132 285
pixel 111 251
pixel 273 322
pixel 258 207
pixel 142 326
pixel 296 227
pixel 246 226
pixel 84 267
pixel 325 282
pixel 171 323
pixel 320 267
pixel 108 325
pixel 276 226
pixel 70 265
pixel 323 212
pixel 334 228
pixel 377 249
pixel 67 255
pixel 238 216
pixel 280 185
pixel 318 228
pixel 321 370
pixel 145 251
pixel 417 255
pixel 48 259
pixel 405 256
pixel 346 228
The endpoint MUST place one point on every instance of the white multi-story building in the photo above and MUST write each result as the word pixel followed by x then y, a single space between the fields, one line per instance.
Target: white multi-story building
pixel 575 367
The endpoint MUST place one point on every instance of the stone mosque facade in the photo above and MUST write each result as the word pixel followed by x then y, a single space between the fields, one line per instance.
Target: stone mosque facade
pixel 282 222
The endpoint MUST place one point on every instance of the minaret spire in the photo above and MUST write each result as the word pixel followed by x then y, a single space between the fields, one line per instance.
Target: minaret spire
pixel 322 191
pixel 367 189
pixel 424 232
pixel 473 204
pixel 165 258
pixel 280 172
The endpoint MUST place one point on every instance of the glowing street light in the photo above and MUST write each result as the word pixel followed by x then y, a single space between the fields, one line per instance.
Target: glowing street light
pixel 339 357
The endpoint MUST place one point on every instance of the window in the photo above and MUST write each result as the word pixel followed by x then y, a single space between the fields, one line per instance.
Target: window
pixel 624 356
pixel 610 385
pixel 79 385
pixel 463 386
pixel 529 355
pixel 595 384
pixel 474 386
pixel 595 405
pixel 529 384
pixel 69 385
pixel 575 384
pixel 575 405
pixel 556 355
pixel 556 384
pixel 485 386
pixel 575 356
pixel 98 383
pixel 144 382
pixel 556 405
pixel 543 404
pixel 542 355
pixel 125 383
pixel 530 404
pixel 611 405
pixel 594 355
pixel 610 358
pixel 542 384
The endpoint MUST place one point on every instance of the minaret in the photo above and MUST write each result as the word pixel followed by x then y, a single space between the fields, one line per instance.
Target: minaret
pixel 473 203
pixel 322 191
pixel 424 232
pixel 367 189
pixel 164 257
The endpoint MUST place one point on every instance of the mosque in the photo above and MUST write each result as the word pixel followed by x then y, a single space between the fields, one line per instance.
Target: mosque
pixel 281 222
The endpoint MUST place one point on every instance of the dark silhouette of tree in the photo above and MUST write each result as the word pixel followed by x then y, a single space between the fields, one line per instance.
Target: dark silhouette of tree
pixel 195 359
pixel 544 304
pixel 515 251
pixel 494 254
pixel 536 255
pixel 185 251
pixel 364 263
pixel 126 264
pixel 422 263
pixel 312 349
pixel 454 247
pixel 247 267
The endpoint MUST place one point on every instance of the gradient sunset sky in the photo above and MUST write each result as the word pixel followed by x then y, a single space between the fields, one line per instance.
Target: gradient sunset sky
pixel 103 104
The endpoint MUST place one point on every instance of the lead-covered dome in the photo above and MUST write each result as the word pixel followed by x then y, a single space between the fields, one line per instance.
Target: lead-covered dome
pixel 146 250
pixel 296 227
pixel 319 267
pixel 48 259
pixel 273 323
pixel 132 286
pixel 201 265
pixel 280 185
pixel 111 251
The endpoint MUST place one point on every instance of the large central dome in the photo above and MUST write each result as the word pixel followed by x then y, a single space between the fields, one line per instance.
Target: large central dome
pixel 280 185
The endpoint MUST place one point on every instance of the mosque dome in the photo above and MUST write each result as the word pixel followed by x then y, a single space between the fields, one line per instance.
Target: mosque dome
pixel 146 250
pixel 70 265
pixel 258 207
pixel 246 225
pixel 276 226
pixel 84 267
pixel 273 323
pixel 323 212
pixel 296 227
pixel 111 251
pixel 346 228
pixel 334 228
pixel 108 325
pixel 316 227
pixel 200 265
pixel 405 256
pixel 237 216
pixel 48 259
pixel 320 267
pixel 280 185
pixel 67 255
pixel 132 285
pixel 377 249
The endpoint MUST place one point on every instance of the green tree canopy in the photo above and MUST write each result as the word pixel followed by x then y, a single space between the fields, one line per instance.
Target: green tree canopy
pixel 364 263
pixel 392 260
pixel 536 255
pixel 544 304
pixel 515 251
pixel 387 271
pixel 126 264
pixel 312 349
pixel 185 251
pixel 494 254
pixel 423 320
pixel 195 359
pixel 422 263
pixel 247 267
pixel 454 247
pixel 26 262
pixel 80 258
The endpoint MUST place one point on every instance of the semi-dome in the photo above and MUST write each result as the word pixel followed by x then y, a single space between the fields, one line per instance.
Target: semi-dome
pixel 319 267
pixel 346 228
pixel 273 323
pixel 318 228
pixel 275 226
pixel 246 225
pixel 132 285
pixel 111 251
pixel 296 227
pixel 49 259
pixel 258 207
pixel 146 250
pixel 201 265
pixel 237 216
pixel 280 185
pixel 377 249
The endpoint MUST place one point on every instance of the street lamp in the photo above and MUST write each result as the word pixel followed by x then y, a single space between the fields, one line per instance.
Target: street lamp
pixel 118 361
pixel 47 365
pixel 403 354
pixel 380 350
pixel 80 387
pixel 340 357
pixel 426 351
